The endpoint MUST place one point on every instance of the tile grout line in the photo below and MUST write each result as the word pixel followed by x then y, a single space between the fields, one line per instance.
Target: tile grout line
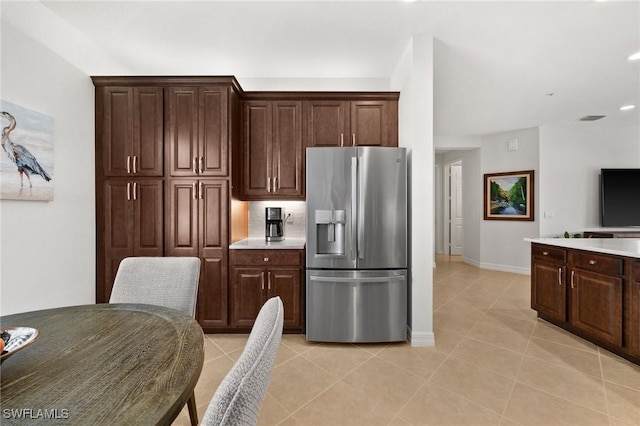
pixel 515 380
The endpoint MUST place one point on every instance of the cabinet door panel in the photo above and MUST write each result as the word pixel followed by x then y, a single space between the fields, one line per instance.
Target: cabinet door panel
pixel 374 123
pixel 214 145
pixel 213 300
pixel 548 290
pixel 148 125
pixel 368 123
pixel 117 137
pixel 148 217
pixel 118 233
pixel 596 305
pixel 326 122
pixel 182 135
pixel 285 282
pixel 118 217
pixel 213 214
pixel 634 318
pixel 287 148
pixel 257 148
pixel 248 294
pixel 182 218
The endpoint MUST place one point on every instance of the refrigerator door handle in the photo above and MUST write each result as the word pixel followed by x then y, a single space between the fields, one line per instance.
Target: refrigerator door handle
pixel 360 245
pixel 354 207
pixel 356 280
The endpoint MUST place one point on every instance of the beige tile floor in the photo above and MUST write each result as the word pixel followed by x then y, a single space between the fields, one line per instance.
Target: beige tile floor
pixel 494 363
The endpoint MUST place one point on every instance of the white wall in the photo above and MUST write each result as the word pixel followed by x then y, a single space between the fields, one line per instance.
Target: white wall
pixel 502 244
pixel 489 244
pixel 48 248
pixel 571 156
pixel 413 77
pixel 314 84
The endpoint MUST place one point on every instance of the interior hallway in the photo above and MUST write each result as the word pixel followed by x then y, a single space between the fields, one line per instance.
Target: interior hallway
pixel 494 363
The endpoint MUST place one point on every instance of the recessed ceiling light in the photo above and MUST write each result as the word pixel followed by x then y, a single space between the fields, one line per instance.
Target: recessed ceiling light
pixel 635 56
pixel 627 107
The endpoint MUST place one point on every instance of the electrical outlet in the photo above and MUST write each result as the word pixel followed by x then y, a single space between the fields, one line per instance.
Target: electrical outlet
pixel 288 218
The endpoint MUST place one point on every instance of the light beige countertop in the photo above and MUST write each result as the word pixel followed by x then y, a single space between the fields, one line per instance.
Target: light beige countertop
pixel 629 247
pixel 262 244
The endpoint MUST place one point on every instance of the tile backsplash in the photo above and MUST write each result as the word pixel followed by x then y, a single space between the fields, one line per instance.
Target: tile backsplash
pixel 294 227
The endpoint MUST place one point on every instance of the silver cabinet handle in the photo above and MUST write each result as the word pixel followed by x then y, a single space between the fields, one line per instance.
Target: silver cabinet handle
pixel 341 140
pixel 128 164
pixel 269 185
pixel 572 274
pixel 193 188
pixel 266 259
pixel 195 161
pixel 559 276
pixel 269 281
pixel 275 185
pixel 200 191
pixel 262 279
pixel 128 191
pixel 135 191
pixel 545 253
pixel 135 161
pixel 353 140
pixel 592 262
pixel 201 165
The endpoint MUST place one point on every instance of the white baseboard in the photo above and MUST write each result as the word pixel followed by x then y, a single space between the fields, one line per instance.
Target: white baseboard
pixel 497 267
pixel 421 338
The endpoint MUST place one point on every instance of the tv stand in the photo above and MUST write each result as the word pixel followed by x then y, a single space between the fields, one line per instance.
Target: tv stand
pixel 612 234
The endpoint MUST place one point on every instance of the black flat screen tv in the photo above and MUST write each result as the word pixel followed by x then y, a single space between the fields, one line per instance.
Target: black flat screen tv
pixel 620 197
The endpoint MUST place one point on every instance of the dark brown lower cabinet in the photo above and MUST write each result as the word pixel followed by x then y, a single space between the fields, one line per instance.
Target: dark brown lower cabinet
pixel 633 311
pixel 198 225
pixel 591 294
pixel 596 305
pixel 258 275
pixel 130 224
pixel 548 289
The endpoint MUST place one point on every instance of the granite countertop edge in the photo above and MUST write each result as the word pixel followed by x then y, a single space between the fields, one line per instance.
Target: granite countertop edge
pixel 262 244
pixel 629 247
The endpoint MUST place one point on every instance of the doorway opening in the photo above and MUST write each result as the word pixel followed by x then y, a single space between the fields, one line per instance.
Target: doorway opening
pixel 454 231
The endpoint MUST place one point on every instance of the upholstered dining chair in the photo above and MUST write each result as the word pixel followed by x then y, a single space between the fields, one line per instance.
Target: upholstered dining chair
pixel 171 282
pixel 237 400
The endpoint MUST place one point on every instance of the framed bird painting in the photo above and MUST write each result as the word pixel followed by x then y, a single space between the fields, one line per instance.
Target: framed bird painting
pixel 26 160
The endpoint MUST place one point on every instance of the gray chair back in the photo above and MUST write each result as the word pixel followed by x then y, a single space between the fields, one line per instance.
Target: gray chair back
pixel 166 281
pixel 237 400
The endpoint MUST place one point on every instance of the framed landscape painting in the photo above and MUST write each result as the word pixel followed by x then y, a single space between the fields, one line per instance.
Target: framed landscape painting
pixel 508 196
pixel 26 160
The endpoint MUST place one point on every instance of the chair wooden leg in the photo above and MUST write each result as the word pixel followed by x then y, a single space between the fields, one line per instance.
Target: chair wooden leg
pixel 193 412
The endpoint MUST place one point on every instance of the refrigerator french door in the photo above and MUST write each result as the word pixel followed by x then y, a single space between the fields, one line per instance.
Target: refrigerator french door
pixel 356 244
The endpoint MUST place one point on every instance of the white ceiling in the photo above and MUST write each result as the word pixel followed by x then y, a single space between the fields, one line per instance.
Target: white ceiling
pixel 494 62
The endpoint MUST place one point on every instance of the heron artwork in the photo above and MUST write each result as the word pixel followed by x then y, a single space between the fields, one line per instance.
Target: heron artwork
pixel 24 160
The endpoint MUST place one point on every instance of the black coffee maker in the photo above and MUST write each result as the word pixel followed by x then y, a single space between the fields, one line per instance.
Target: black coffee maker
pixel 274 227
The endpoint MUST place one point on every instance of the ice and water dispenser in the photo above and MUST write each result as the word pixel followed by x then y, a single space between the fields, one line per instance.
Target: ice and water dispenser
pixel 330 232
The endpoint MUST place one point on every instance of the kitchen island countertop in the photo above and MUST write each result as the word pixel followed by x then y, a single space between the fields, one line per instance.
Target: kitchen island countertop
pixel 629 247
pixel 262 244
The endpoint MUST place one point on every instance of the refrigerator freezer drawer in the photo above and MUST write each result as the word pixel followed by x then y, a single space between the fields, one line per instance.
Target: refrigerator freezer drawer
pixel 356 306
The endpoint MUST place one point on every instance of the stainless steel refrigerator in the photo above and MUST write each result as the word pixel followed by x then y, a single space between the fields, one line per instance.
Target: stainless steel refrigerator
pixel 356 262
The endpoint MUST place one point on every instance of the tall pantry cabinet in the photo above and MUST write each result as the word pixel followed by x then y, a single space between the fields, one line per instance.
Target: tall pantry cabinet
pixel 163 177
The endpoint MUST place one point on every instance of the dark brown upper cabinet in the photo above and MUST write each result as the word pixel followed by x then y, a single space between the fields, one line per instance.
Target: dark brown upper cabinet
pixel 197 141
pixel 272 157
pixel 341 123
pixel 131 121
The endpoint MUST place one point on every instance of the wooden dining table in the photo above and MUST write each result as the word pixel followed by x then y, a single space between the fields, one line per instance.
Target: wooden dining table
pixel 116 364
